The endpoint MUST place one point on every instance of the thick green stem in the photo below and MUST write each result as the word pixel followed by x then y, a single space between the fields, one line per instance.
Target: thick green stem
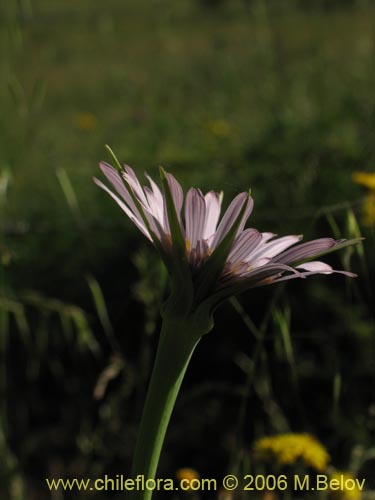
pixel 178 339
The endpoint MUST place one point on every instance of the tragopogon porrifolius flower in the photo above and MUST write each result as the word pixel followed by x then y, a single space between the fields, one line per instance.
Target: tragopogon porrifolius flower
pixel 208 259
pixel 220 257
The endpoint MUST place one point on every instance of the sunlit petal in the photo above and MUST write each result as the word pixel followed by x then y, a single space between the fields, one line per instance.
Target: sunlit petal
pixel 137 221
pixel 213 208
pixel 231 215
pixel 195 212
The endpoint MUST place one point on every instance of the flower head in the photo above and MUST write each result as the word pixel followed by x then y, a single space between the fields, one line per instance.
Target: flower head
pixel 211 258
pixel 86 121
pixel 187 475
pixel 367 179
pixel 348 490
pixel 368 209
pixel 287 449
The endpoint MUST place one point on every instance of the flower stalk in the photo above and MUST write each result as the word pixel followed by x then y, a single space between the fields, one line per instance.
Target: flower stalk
pixel 178 339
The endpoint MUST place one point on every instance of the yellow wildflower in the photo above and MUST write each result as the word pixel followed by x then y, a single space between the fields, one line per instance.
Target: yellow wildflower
pixel 219 128
pixel 368 209
pixel 365 179
pixel 287 449
pixel 86 121
pixel 347 493
pixel 186 474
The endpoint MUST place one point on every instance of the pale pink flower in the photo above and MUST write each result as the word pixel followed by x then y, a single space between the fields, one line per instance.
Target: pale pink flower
pixel 221 256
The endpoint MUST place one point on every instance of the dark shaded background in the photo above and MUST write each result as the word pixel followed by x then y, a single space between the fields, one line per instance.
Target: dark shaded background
pixel 276 96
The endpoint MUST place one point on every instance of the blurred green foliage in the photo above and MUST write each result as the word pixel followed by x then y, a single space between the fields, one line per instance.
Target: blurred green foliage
pixel 276 96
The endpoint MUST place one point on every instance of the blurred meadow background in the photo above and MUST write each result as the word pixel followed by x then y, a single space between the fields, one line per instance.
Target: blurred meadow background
pixel 273 95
